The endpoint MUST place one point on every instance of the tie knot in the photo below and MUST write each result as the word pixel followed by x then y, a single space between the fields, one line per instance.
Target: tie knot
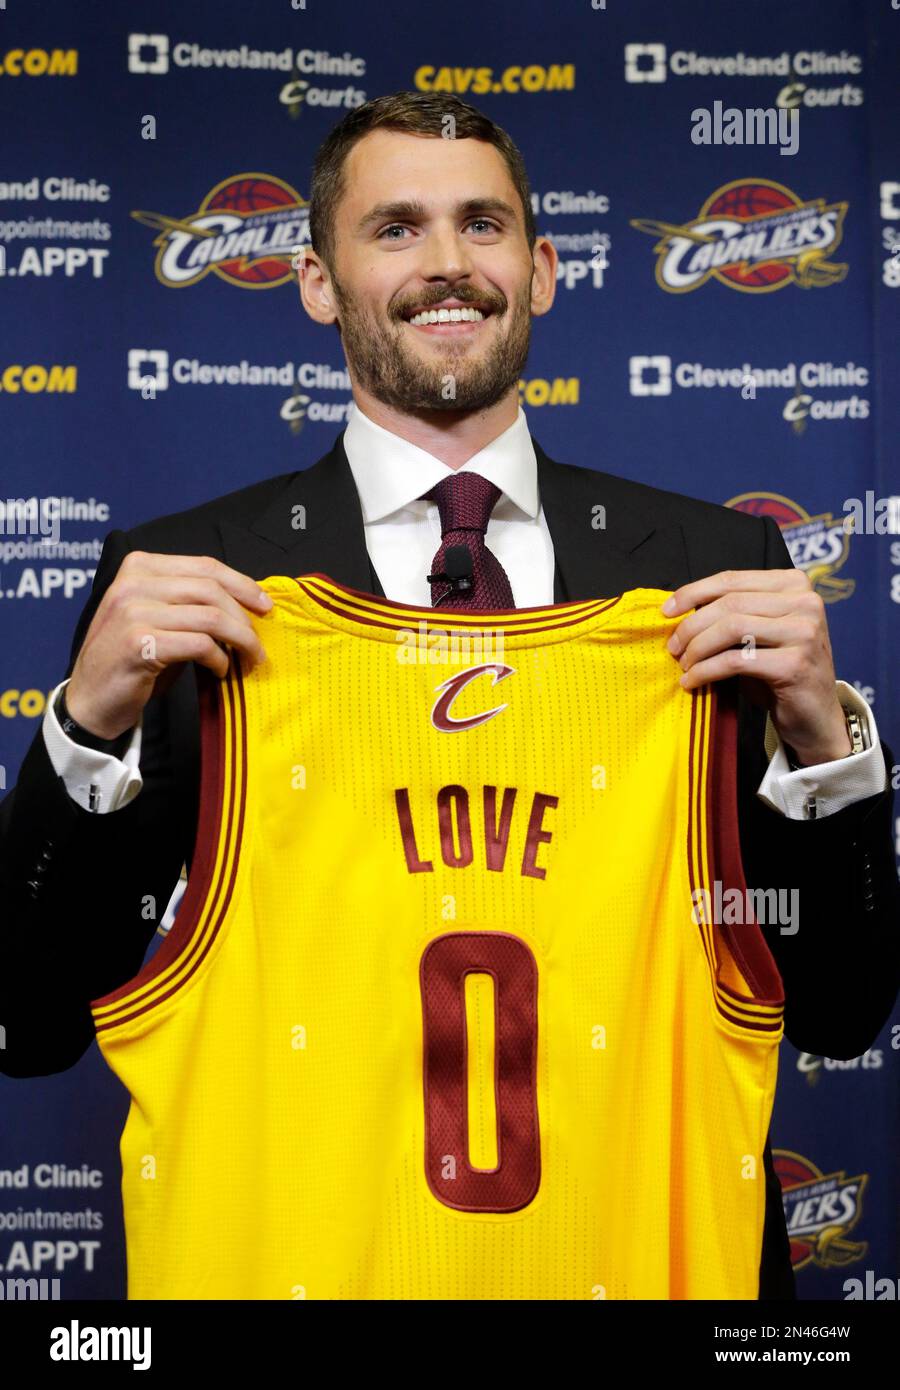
pixel 465 501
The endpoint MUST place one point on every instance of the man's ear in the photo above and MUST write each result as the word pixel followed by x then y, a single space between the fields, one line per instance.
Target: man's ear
pixel 315 291
pixel 543 282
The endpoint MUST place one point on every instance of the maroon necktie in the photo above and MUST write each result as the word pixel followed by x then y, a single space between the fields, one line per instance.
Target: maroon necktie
pixel 465 502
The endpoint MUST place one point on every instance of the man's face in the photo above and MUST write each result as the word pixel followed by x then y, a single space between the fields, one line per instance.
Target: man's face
pixel 391 260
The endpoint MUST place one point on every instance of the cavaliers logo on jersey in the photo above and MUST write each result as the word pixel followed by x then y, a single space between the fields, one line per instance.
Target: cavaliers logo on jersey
pixel 441 717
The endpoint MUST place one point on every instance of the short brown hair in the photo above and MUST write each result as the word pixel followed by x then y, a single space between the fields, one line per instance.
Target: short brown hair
pixel 417 113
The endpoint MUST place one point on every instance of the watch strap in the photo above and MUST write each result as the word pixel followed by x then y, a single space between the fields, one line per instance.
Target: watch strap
pixel 73 730
pixel 858 739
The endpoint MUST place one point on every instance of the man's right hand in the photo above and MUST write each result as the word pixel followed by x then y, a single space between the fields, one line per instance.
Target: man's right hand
pixel 159 612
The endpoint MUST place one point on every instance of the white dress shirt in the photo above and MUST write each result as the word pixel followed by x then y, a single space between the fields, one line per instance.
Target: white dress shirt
pixel 403 533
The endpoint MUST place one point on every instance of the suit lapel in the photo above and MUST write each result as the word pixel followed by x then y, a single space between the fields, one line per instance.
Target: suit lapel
pixel 315 525
pixel 599 561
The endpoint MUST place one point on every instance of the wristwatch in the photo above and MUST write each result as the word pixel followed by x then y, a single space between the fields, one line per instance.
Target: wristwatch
pixel 74 731
pixel 854 729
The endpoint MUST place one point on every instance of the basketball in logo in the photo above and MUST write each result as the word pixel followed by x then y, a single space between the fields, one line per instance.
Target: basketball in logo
pixel 745 200
pixel 247 195
pixel 785 513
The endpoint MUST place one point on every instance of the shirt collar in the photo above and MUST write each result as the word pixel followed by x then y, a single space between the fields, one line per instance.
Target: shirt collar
pixel 390 473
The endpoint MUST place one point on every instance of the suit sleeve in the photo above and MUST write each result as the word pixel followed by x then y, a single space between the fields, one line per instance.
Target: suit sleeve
pixel 841 969
pixel 83 894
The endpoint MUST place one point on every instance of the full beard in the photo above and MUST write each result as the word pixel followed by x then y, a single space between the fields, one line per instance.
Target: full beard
pixel 455 379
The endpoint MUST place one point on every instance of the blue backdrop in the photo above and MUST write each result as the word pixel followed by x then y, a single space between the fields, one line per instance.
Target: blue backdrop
pixel 145 368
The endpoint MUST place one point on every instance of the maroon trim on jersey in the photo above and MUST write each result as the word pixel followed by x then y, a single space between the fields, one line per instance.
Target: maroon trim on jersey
pixel 694 847
pixel 363 615
pixel 181 944
pixel 748 947
pixel 446 962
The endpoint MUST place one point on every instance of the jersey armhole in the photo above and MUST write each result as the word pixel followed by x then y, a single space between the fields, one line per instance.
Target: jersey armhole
pixel 220 824
pixel 748 985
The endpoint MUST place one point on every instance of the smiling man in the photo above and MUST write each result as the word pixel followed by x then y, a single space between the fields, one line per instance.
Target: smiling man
pixel 423 1180
pixel 447 364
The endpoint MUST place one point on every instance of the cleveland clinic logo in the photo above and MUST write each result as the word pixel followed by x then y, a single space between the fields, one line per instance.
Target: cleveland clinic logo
pixel 156 55
pixel 753 235
pixel 148 370
pixel 148 53
pixel 652 62
pixel 245 231
pixel 645 62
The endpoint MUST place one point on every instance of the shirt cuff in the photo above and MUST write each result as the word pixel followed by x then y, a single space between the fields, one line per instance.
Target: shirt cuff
pixel 98 782
pixel 833 785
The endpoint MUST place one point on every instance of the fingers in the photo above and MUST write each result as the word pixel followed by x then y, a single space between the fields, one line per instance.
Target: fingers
pixel 191 605
pixel 773 667
pixel 180 646
pixel 742 609
pixel 159 612
pixel 150 623
pixel 702 591
pixel 158 594
pixel 204 567
pixel 747 634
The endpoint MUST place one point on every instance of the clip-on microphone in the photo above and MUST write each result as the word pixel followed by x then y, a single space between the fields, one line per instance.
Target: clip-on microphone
pixel 458 572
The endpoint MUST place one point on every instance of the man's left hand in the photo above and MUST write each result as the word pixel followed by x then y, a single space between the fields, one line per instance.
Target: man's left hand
pixel 771 623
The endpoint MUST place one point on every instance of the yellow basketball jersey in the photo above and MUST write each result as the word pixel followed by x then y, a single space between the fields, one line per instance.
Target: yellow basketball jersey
pixel 445 1012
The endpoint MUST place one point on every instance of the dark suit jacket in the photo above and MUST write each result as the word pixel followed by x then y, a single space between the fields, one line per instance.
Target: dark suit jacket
pixel 74 884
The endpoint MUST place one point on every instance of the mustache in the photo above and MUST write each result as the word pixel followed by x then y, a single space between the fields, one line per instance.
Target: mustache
pixel 495 303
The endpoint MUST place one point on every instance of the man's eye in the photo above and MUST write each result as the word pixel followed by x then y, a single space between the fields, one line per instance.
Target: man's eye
pixel 399 227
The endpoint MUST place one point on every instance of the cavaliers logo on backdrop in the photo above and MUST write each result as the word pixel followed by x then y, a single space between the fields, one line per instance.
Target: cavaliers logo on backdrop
pixel 821 1209
pixel 753 235
pixel 244 231
pixel 818 545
